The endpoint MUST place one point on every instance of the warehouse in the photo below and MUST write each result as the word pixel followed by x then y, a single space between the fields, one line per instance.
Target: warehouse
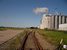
pixel 52 21
pixel 63 27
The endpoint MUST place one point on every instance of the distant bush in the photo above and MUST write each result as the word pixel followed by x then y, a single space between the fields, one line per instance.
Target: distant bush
pixel 2 29
pixel 33 27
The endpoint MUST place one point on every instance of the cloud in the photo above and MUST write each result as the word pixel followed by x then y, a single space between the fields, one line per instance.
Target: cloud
pixel 41 10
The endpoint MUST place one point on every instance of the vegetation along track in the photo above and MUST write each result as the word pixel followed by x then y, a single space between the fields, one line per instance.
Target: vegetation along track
pixel 27 42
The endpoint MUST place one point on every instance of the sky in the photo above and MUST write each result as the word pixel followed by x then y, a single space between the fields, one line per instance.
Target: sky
pixel 19 13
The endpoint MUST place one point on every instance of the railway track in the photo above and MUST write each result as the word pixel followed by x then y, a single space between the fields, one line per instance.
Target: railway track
pixel 30 42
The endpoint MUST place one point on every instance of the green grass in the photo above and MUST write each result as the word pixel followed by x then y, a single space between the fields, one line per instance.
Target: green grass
pixel 14 43
pixel 2 29
pixel 13 28
pixel 54 37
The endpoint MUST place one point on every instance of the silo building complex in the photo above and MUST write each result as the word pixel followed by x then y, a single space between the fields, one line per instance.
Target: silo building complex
pixel 52 21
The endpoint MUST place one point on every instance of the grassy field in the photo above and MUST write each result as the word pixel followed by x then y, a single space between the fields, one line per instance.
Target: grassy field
pixel 2 29
pixel 54 37
pixel 13 43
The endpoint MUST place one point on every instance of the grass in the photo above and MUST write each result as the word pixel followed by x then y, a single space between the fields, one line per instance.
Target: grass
pixel 13 28
pixel 2 29
pixel 54 37
pixel 14 43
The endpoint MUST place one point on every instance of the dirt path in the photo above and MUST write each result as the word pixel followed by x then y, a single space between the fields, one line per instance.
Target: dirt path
pixel 44 43
pixel 30 43
pixel 8 34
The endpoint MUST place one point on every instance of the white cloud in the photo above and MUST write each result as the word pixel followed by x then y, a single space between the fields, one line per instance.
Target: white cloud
pixel 41 10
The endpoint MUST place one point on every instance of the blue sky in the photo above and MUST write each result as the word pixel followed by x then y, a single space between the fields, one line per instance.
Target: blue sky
pixel 19 13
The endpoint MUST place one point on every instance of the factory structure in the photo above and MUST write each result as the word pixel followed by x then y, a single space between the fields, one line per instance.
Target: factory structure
pixel 51 21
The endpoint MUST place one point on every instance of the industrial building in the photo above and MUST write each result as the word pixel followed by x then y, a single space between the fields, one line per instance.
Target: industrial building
pixel 45 22
pixel 52 21
pixel 63 27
